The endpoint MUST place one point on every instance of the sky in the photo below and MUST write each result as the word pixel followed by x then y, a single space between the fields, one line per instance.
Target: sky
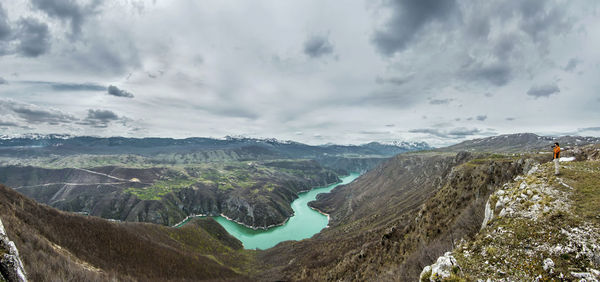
pixel 313 71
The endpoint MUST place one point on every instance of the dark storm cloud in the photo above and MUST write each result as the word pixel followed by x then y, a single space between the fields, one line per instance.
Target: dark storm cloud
pixel 234 112
pixel 100 118
pixel 510 118
pixel 498 74
pixel 388 97
pixel 102 115
pixel 4 26
pixel 572 64
pixel 67 11
pixel 409 17
pixel 35 114
pixel 115 91
pixel 78 87
pixel 398 80
pixel 595 128
pixel 505 46
pixel 538 19
pixel 481 117
pixel 478 27
pixel 8 124
pixel 34 37
pixel 456 133
pixel 65 86
pixel 115 58
pixel 546 90
pixel 317 46
pixel 440 101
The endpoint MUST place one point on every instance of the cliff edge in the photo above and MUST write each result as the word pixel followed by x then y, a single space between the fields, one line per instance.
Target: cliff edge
pixel 11 266
pixel 538 227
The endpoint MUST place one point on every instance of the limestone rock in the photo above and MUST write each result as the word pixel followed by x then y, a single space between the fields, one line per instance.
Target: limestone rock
pixel 549 265
pixel 11 266
pixel 442 268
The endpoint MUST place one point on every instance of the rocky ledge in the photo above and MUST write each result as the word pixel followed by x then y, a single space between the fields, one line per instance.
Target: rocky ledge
pixel 11 267
pixel 539 227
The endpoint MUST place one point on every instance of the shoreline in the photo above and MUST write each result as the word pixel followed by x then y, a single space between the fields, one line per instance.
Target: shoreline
pixel 255 228
pixel 183 222
pixel 323 213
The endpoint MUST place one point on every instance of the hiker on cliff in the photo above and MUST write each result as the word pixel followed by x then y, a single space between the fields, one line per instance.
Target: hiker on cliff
pixel 556 157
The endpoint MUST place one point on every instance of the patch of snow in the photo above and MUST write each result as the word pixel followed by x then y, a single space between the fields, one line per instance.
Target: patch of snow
pixel 566 159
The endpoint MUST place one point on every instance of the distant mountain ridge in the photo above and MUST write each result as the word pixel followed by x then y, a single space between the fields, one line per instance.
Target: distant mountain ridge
pixel 67 145
pixel 519 142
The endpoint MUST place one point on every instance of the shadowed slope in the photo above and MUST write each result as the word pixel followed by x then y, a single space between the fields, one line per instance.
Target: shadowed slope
pixel 55 245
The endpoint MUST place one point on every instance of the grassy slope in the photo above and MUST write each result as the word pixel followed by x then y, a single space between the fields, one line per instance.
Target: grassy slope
pixel 60 246
pixel 567 229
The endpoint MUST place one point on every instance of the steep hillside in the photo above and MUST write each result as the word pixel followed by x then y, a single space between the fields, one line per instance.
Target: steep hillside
pixel 347 165
pixel 538 227
pixel 58 246
pixel 257 194
pixel 395 219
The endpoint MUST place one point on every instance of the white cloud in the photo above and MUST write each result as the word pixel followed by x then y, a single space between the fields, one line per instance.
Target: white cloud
pixel 216 68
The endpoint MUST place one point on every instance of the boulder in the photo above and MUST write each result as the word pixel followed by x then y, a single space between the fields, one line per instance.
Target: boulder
pixel 548 265
pixel 442 268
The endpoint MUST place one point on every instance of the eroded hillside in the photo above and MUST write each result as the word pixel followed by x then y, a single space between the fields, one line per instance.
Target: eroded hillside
pixel 60 246
pixel 397 218
pixel 255 193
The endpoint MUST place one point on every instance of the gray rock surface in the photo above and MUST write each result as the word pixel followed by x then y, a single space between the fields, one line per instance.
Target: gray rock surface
pixel 442 268
pixel 11 266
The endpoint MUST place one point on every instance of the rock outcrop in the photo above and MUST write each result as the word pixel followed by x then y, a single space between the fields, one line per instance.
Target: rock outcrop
pixel 443 268
pixel 11 266
pixel 541 228
pixel 257 195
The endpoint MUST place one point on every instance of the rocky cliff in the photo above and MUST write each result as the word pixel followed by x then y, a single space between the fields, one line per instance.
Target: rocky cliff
pixel 540 227
pixel 258 195
pixel 11 266
pixel 392 221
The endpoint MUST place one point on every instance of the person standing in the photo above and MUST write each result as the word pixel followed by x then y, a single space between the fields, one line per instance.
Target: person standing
pixel 556 158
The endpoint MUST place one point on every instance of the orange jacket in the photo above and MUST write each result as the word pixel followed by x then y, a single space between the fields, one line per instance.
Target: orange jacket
pixel 556 152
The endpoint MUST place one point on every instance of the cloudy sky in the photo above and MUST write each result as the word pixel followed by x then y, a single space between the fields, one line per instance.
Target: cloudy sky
pixel 312 71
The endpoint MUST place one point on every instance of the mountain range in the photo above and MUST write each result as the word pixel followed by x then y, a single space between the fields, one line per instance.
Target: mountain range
pixel 407 212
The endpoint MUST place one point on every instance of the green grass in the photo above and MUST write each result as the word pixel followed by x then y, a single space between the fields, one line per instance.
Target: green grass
pixel 160 188
pixel 584 177
pixel 515 249
pixel 254 177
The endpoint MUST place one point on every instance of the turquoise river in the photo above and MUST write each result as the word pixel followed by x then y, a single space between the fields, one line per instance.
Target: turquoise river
pixel 305 222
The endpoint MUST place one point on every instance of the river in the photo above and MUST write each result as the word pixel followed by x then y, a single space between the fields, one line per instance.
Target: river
pixel 305 222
